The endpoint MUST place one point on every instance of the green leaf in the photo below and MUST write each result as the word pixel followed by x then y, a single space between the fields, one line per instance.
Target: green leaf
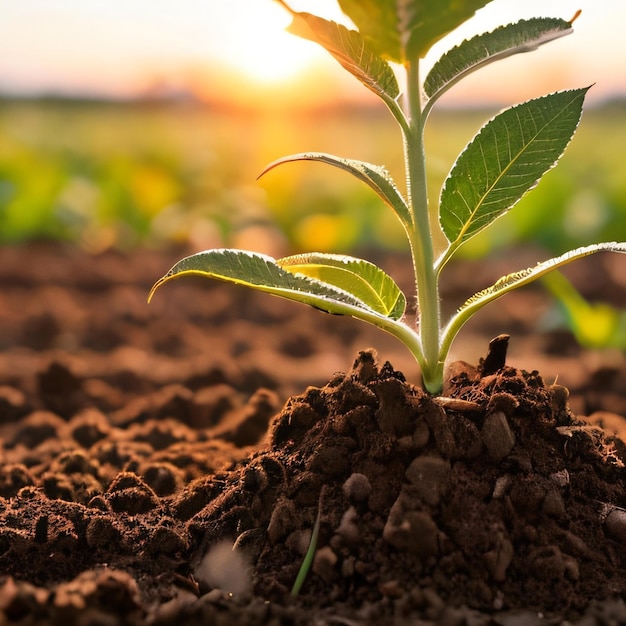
pixel 362 279
pixel 404 30
pixel 376 177
pixel 518 279
pixel 263 273
pixel 505 160
pixel 352 51
pixel 524 36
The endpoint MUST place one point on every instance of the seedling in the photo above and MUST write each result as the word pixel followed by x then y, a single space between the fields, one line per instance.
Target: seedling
pixel 505 159
pixel 307 562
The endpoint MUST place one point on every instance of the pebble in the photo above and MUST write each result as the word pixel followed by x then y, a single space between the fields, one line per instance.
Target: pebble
pixel 299 540
pixel 497 436
pixel 282 520
pixel 357 488
pixel 501 487
pixel 430 476
pixel 554 505
pixel 324 563
pixel 615 525
pixel 348 529
pixel 414 531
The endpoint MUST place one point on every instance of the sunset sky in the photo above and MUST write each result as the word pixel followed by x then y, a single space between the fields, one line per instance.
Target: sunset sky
pixel 237 49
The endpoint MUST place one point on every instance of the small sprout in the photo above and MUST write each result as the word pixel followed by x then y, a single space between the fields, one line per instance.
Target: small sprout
pixel 307 562
pixel 506 159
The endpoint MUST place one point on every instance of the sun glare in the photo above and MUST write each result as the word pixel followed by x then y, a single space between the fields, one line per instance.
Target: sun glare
pixel 259 47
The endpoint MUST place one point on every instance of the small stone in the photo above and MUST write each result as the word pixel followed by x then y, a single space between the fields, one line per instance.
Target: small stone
pixel 414 531
pixel 324 563
pixel 441 427
pixel 357 487
pixel 299 540
pixel 282 520
pixel 348 529
pixel 501 487
pixel 430 477
pixel 497 436
pixel 615 525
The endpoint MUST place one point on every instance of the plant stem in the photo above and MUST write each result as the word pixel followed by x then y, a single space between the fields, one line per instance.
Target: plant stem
pixel 421 236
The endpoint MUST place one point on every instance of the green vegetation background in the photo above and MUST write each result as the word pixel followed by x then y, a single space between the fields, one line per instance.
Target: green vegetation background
pixel 102 174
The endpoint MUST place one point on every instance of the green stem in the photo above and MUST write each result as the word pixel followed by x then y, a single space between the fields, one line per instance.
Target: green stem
pixel 421 236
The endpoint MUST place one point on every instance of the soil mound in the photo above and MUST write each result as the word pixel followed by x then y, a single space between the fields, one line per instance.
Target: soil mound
pixel 151 472
pixel 492 497
pixel 488 500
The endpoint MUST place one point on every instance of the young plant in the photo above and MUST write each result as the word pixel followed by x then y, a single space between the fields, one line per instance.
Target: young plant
pixel 505 159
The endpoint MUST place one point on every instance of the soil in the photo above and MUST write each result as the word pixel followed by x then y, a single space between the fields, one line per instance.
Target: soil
pixel 172 463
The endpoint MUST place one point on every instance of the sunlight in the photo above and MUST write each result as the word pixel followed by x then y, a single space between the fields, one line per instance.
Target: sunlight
pixel 259 48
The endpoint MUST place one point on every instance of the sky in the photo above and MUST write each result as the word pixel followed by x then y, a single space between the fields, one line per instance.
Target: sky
pixel 238 49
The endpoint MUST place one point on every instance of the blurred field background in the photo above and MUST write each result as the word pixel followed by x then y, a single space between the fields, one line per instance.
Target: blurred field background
pixel 145 124
pixel 107 174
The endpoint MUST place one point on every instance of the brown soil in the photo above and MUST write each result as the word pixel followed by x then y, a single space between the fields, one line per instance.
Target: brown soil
pixel 167 464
